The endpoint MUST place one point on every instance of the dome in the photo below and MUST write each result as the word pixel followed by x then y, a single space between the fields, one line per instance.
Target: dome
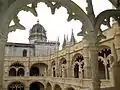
pixel 37 33
pixel 37 28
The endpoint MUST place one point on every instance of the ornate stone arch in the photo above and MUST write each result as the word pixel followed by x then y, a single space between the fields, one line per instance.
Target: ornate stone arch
pixel 16 69
pixel 77 55
pixel 36 85
pixel 63 67
pixel 48 86
pixel 73 9
pixel 70 88
pixel 18 84
pixel 17 63
pixel 57 87
pixel 39 69
pixel 78 65
pixel 104 61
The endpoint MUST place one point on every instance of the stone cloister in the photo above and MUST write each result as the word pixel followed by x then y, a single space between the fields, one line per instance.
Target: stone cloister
pixel 91 64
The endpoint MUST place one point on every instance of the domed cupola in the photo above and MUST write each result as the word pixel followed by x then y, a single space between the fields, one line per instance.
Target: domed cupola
pixel 37 34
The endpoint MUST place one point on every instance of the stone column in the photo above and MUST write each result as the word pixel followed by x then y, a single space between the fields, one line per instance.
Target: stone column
pixel 69 66
pixel 93 52
pixel 117 40
pixel 87 68
pixel 26 87
pixel 3 40
pixel 49 69
pixel 115 62
pixel 27 71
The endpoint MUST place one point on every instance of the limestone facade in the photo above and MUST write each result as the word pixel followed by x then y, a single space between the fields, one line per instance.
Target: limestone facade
pixel 66 69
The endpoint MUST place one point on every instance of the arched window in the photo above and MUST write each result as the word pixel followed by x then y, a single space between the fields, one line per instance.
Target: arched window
pixel 54 72
pixel 16 69
pixel 20 72
pixel 24 53
pixel 12 72
pixel 78 62
pixel 104 62
pixel 76 71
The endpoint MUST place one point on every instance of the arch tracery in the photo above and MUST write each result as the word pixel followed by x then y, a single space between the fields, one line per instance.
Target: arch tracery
pixel 21 5
pixel 16 86
pixel 16 69
pixel 104 62
pixel 78 62
pixel 63 67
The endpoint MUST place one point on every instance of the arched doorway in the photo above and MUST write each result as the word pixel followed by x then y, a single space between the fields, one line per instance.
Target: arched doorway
pixel 49 87
pixel 57 87
pixel 16 86
pixel 36 86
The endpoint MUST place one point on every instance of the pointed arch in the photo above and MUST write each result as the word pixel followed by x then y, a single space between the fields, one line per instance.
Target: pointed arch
pixel 57 87
pixel 104 61
pixel 48 86
pixel 78 62
pixel 62 67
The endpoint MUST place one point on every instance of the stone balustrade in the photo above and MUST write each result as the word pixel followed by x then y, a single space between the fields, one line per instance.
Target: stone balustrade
pixel 85 83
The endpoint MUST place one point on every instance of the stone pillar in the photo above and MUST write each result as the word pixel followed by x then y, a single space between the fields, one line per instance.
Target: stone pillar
pixel 49 72
pixel 116 55
pixel 26 87
pixel 93 52
pixel 27 71
pixel 3 40
pixel 69 66
pixel 87 68
pixel 117 40
pixel 116 75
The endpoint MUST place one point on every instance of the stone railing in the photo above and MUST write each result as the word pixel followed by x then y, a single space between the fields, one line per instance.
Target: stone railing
pixel 66 81
pixel 19 58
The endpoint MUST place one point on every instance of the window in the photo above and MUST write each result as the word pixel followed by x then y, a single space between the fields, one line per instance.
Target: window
pixel 24 53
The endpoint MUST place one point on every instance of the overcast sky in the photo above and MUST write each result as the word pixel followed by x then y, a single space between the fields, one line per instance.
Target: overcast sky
pixel 55 25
